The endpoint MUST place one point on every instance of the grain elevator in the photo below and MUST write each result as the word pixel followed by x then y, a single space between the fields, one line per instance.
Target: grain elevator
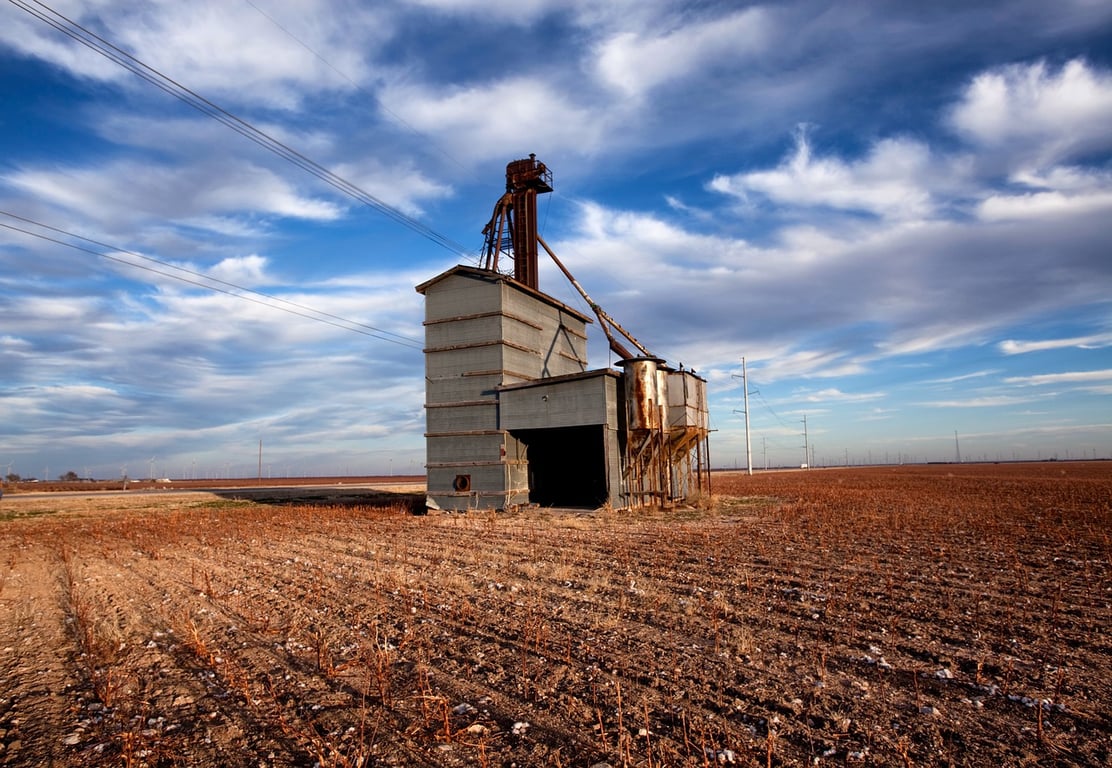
pixel 514 417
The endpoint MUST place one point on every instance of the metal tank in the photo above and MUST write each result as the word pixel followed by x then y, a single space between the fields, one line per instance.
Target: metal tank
pixel 645 392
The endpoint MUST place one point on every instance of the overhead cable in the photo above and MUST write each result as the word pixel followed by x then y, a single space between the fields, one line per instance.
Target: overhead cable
pixel 212 283
pixel 426 140
pixel 167 84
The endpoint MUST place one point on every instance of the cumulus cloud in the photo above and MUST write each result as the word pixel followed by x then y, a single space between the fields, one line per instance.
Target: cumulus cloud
pixel 241 270
pixel 1027 117
pixel 1036 114
pixel 839 298
pixel 888 182
pixel 400 186
pixel 491 119
pixel 637 62
pixel 198 44
pixel 1060 191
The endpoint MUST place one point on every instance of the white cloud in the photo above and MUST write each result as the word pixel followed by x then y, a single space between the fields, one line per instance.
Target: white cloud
pixel 400 186
pixel 515 11
pixel 1039 115
pixel 1041 205
pixel 818 363
pixel 130 190
pixel 1064 178
pixel 996 401
pixel 787 271
pixel 833 394
pixel 1016 347
pixel 1069 377
pixel 251 188
pixel 198 142
pixel 890 181
pixel 1057 192
pixel 199 43
pixel 635 63
pixel 829 300
pixel 499 119
pixel 241 270
pixel 963 377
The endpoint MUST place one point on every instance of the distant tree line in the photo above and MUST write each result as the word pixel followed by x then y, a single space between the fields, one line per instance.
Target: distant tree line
pixel 68 477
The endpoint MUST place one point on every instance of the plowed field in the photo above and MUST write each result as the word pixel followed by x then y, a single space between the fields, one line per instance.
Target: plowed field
pixel 898 616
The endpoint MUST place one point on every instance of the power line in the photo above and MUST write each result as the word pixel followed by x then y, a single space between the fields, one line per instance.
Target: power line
pixel 408 339
pixel 775 415
pixel 290 307
pixel 170 86
pixel 394 115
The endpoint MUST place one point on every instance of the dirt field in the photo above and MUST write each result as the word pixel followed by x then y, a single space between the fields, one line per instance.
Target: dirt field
pixel 900 616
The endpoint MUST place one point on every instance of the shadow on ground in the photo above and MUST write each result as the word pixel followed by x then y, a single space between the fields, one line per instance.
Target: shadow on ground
pixel 337 496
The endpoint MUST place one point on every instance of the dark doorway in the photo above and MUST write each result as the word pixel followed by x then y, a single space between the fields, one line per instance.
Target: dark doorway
pixel 567 466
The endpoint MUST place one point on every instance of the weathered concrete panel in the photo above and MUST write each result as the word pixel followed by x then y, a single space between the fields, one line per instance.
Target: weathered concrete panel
pixel 455 419
pixel 482 331
pixel 562 403
pixel 461 294
pixel 464 450
pixel 490 487
pixel 458 361
pixel 460 388
pixel 443 334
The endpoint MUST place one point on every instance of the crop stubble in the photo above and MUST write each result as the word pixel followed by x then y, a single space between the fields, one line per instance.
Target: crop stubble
pixel 944 615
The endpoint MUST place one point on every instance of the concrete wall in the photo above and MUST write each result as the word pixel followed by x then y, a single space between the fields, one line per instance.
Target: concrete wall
pixel 592 398
pixel 568 402
pixel 482 330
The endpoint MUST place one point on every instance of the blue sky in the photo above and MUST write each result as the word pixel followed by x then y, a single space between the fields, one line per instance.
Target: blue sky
pixel 900 214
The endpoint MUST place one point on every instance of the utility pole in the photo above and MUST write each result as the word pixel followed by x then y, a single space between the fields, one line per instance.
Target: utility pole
pixel 806 445
pixel 957 448
pixel 745 395
pixel 260 459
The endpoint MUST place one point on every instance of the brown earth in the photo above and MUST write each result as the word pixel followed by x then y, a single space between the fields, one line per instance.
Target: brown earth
pixel 225 485
pixel 907 616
